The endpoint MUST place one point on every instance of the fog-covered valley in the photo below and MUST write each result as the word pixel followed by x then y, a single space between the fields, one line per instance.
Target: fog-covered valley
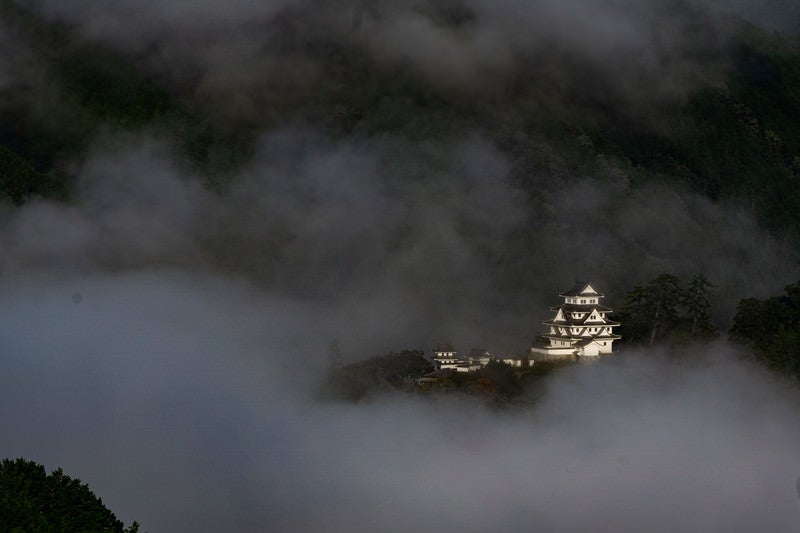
pixel 198 199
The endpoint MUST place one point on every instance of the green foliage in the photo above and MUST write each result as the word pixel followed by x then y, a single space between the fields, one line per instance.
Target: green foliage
pixel 500 380
pixel 698 308
pixel 92 91
pixel 32 500
pixel 650 313
pixel 19 180
pixel 771 328
pixel 109 87
pixel 663 311
pixel 357 381
pixel 738 140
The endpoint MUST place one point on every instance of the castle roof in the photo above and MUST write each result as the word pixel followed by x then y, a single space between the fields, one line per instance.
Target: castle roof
pixel 578 336
pixel 444 348
pixel 541 340
pixel 566 318
pixel 569 308
pixel 581 288
pixel 580 322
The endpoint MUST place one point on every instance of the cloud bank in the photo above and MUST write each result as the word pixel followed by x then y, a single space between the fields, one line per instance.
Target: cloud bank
pixel 154 389
pixel 417 242
pixel 162 343
pixel 246 59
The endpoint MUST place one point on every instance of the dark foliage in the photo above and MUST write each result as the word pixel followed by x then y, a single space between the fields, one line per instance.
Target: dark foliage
pixel 357 381
pixel 19 180
pixel 698 308
pixel 771 328
pixel 739 140
pixel 665 311
pixel 500 380
pixel 31 500
pixel 96 90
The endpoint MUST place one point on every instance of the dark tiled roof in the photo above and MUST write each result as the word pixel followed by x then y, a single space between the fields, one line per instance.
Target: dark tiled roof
pixel 541 342
pixel 444 348
pixel 443 373
pixel 570 322
pixel 561 337
pixel 568 308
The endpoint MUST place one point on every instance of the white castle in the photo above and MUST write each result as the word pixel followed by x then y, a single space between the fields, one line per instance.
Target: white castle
pixel 580 329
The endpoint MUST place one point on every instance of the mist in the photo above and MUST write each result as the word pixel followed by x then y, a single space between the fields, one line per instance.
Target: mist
pixel 177 398
pixel 163 343
pixel 244 60
pixel 163 340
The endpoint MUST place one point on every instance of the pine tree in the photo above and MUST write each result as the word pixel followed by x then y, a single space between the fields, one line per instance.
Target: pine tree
pixel 633 315
pixel 698 308
pixel 650 312
pixel 664 295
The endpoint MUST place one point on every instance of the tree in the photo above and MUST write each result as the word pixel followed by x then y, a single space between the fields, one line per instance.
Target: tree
pixel 665 295
pixel 501 378
pixel 32 500
pixel 651 312
pixel 698 308
pixel 635 315
pixel 357 381
pixel 771 328
pixel 662 310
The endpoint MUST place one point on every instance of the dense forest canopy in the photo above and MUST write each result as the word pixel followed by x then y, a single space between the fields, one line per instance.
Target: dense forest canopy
pixel 33 500
pixel 693 104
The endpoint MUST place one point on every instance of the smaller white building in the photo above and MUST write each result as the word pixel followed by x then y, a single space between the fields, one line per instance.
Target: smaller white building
pixel 446 357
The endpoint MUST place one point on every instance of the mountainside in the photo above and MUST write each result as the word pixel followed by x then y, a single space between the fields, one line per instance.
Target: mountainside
pixel 584 118
pixel 738 137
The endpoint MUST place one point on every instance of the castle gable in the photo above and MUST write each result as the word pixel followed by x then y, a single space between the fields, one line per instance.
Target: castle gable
pixel 581 288
pixel 588 290
pixel 594 316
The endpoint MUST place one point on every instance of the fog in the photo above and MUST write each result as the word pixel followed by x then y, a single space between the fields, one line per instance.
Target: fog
pixel 242 59
pixel 415 242
pixel 178 398
pixel 162 341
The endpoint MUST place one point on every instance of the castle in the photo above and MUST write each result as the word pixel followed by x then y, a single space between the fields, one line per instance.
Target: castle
pixel 581 327
pixel 579 330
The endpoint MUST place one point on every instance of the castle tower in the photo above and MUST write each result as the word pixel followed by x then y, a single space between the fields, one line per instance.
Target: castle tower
pixel 580 328
pixel 445 356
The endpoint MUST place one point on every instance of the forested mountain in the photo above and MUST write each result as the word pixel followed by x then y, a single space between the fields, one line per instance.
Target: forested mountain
pixel 736 136
pixel 602 125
